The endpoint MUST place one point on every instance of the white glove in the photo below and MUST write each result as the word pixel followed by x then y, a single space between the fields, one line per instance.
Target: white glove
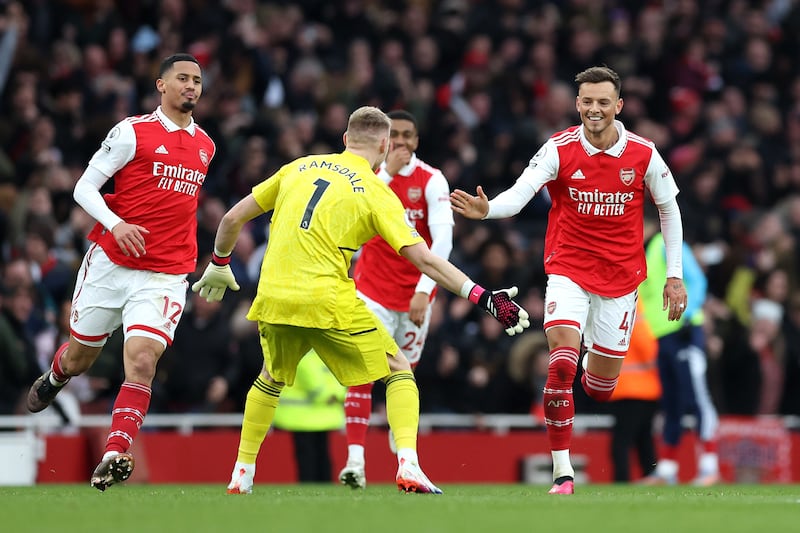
pixel 214 281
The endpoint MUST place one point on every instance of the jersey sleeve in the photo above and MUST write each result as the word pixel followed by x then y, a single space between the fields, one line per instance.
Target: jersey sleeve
pixel 116 150
pixel 383 175
pixel 87 194
pixel 542 168
pixel 266 192
pixel 659 179
pixel 437 196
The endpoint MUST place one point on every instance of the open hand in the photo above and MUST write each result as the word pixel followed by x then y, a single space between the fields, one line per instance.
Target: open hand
pixel 474 207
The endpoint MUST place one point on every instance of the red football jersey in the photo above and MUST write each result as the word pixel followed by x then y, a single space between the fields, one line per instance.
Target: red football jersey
pixel 157 188
pixel 380 273
pixel 595 225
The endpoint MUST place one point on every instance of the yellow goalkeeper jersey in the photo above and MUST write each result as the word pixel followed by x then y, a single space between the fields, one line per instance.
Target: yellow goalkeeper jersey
pixel 325 208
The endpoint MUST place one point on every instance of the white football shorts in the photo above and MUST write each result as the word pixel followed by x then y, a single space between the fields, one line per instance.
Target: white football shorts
pixel 606 323
pixel 409 337
pixel 107 296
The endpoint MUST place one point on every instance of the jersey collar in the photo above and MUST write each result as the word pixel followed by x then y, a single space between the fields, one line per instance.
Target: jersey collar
pixel 356 159
pixel 171 126
pixel 616 150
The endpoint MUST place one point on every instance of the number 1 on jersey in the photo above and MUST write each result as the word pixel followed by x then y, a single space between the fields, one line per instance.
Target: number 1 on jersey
pixel 312 203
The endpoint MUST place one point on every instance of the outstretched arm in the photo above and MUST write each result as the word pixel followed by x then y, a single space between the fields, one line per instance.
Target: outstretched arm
pixel 441 245
pixel 218 275
pixel 440 270
pixel 474 207
pixel 542 168
pixel 499 303
pixel 506 204
pixel 228 231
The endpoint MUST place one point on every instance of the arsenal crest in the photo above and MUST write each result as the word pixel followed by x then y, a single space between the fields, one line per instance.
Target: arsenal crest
pixel 551 308
pixel 204 157
pixel 627 175
pixel 414 194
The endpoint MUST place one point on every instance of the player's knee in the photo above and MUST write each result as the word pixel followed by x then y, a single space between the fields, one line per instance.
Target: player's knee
pixel 562 370
pixel 140 370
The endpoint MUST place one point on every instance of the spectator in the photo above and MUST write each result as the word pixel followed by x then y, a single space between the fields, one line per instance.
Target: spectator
pixel 770 347
pixel 54 274
pixel 200 366
pixel 18 363
pixel 739 367
pixel 790 403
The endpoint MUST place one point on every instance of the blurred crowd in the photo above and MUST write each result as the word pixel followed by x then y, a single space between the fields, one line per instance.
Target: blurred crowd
pixel 715 84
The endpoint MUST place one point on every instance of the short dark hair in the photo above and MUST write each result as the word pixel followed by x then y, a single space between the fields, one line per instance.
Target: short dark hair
pixel 599 75
pixel 402 114
pixel 167 63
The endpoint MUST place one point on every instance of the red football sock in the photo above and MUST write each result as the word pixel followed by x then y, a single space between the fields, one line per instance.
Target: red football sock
pixel 709 446
pixel 669 452
pixel 127 416
pixel 357 408
pixel 559 408
pixel 58 371
pixel 597 388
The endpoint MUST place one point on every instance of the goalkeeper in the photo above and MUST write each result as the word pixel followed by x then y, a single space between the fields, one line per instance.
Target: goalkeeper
pixel 324 208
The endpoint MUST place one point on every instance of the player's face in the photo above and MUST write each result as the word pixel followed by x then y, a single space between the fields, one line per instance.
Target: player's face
pixel 598 104
pixel 404 134
pixel 181 85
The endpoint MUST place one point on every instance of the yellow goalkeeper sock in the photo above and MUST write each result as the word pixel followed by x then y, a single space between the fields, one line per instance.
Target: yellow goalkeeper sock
pixel 402 408
pixel 259 411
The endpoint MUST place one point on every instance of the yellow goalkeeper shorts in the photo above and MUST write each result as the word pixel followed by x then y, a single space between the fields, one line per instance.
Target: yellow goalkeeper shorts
pixel 356 355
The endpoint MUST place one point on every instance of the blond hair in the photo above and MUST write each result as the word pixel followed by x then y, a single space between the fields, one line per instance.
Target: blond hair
pixel 366 126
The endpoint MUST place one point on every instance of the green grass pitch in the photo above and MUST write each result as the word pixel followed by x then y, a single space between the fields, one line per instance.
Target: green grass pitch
pixel 381 508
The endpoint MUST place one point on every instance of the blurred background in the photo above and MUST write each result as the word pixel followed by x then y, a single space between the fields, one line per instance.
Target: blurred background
pixel 716 85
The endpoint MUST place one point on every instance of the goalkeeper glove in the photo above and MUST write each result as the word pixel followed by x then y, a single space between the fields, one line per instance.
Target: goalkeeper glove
pixel 500 305
pixel 217 277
